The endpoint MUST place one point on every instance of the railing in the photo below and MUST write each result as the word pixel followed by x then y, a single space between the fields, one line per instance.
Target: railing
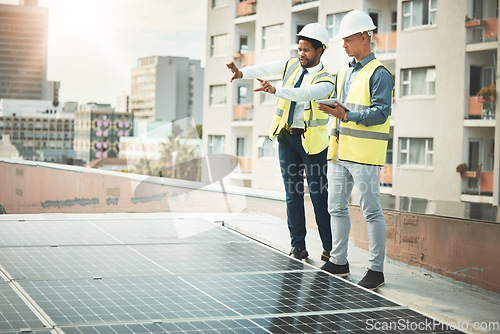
pixel 385 42
pixel 245 59
pixel 480 31
pixel 481 109
pixel 386 175
pixel 246 7
pixel 478 183
pixel 243 112
pixel 245 164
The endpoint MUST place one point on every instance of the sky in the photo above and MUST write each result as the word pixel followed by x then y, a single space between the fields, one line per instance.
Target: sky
pixel 94 44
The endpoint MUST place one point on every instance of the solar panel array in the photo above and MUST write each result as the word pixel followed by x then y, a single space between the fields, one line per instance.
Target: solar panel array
pixel 165 275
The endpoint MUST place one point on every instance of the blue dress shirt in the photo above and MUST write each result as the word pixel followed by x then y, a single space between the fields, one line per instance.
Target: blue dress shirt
pixel 381 86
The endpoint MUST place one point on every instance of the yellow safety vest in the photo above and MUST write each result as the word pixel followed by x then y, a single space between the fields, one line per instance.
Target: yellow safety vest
pixel 357 142
pixel 315 138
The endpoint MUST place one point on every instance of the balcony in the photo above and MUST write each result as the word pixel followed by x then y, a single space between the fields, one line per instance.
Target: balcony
pixel 245 164
pixel 385 42
pixel 481 109
pixel 481 31
pixel 478 183
pixel 386 176
pixel 246 7
pixel 244 59
pixel 243 112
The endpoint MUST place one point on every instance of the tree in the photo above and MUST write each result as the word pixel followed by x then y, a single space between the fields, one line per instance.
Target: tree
pixel 179 160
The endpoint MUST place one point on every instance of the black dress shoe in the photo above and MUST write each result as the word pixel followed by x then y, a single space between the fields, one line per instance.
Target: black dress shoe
pixel 372 280
pixel 325 256
pixel 298 253
pixel 338 270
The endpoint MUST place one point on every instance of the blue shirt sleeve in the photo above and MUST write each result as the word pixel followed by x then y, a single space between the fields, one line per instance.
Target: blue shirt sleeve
pixel 381 87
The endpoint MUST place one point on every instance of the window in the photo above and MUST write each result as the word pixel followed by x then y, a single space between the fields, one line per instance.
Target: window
pixel 242 94
pixel 219 3
pixel 240 147
pixel 418 81
pixel 485 9
pixel 217 94
pixel 374 16
pixel 415 151
pixel 413 204
pixel 272 36
pixel 419 13
pixel 244 44
pixel 216 144
pixel 388 157
pixel 333 23
pixel 218 45
pixel 270 98
pixel 492 155
pixel 394 21
pixel 267 148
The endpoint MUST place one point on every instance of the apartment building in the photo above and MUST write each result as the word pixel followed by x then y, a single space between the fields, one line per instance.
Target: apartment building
pixel 38 129
pixel 441 53
pixel 23 53
pixel 98 129
pixel 167 89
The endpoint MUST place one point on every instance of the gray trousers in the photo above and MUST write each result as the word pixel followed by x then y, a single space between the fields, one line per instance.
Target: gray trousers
pixel 342 176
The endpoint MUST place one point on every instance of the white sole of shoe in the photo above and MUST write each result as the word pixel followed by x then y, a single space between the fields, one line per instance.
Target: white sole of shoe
pixel 375 288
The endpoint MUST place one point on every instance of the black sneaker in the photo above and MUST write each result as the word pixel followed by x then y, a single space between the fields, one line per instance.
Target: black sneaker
pixel 338 270
pixel 298 253
pixel 372 280
pixel 325 256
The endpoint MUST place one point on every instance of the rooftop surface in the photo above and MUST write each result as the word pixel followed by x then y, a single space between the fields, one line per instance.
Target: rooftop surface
pixel 179 273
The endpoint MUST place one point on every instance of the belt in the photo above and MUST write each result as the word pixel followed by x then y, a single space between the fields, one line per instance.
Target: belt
pixel 294 131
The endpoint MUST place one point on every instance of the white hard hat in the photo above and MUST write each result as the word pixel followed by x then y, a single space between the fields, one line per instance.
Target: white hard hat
pixel 355 21
pixel 315 31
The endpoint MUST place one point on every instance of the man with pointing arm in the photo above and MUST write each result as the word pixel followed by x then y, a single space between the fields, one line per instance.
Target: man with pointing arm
pixel 301 131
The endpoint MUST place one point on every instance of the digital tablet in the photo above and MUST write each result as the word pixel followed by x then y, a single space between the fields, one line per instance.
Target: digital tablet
pixel 331 103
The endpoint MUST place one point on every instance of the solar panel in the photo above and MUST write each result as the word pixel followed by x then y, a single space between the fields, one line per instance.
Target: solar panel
pixel 129 299
pixel 286 292
pixel 158 274
pixel 207 326
pixel 76 262
pixel 95 232
pixel 394 321
pixel 15 315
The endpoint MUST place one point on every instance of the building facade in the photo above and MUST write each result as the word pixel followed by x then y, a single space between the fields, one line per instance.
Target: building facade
pixel 167 89
pixel 440 52
pixel 98 129
pixel 23 53
pixel 39 130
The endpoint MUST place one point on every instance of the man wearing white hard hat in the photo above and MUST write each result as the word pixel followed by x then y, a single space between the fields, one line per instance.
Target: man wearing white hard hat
pixel 302 131
pixel 358 146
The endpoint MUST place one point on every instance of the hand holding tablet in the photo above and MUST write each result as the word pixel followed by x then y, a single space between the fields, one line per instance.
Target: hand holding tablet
pixel 331 103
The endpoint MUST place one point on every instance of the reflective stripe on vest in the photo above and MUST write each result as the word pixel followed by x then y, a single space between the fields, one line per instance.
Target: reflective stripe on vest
pixel 357 142
pixel 315 138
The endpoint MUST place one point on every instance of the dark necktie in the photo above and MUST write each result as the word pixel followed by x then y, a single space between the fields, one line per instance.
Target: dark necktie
pixel 291 111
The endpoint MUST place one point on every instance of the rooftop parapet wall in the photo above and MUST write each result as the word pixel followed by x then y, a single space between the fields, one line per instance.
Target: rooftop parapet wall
pixel 464 250
pixel 33 187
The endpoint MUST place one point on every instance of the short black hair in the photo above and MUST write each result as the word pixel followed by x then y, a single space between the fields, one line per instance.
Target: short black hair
pixel 314 42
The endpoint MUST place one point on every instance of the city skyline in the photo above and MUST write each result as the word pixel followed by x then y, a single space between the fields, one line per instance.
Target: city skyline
pixel 94 44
